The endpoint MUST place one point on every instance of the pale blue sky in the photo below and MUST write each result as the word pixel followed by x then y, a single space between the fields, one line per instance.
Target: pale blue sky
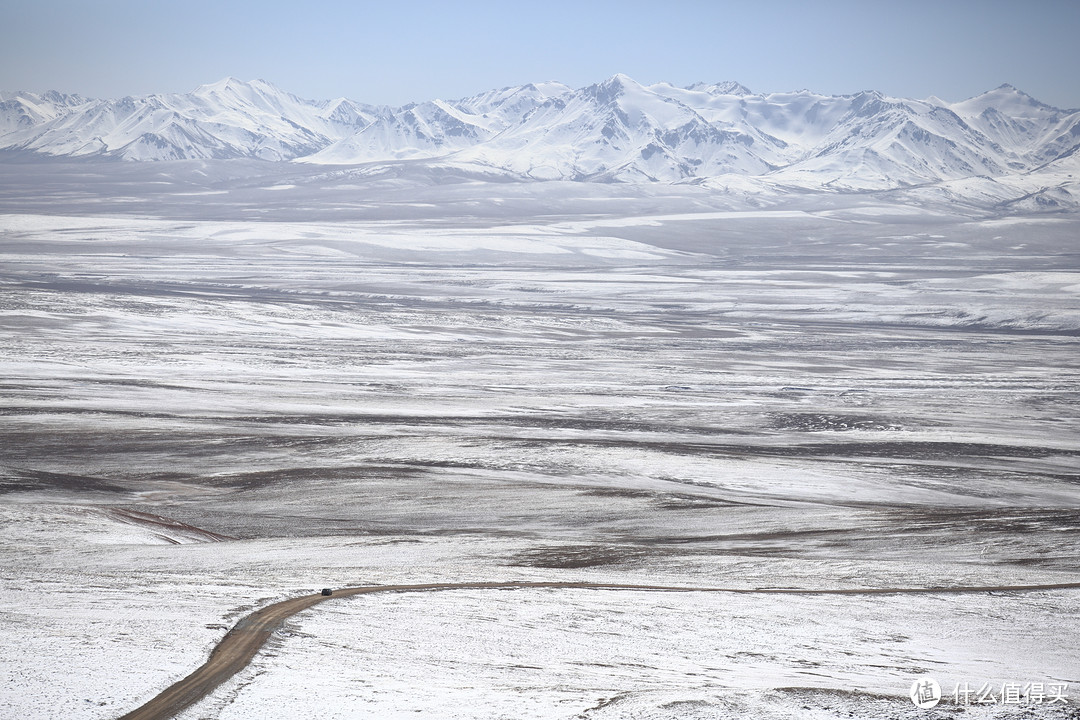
pixel 392 53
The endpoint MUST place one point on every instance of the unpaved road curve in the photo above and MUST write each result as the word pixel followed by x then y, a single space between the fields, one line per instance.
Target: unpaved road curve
pixel 241 643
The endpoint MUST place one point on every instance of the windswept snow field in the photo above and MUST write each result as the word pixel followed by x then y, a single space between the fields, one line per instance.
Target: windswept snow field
pixel 225 385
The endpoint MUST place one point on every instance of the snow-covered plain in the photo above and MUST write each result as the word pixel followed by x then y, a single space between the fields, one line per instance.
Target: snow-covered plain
pixel 215 397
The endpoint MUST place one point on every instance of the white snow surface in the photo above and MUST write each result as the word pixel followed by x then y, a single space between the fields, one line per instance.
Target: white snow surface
pixel 215 396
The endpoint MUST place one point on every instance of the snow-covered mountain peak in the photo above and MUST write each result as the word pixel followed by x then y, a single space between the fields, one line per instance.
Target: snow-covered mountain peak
pixel 869 103
pixel 23 111
pixel 255 93
pixel 728 87
pixel 511 104
pixel 614 87
pixel 549 88
pixel 63 99
pixel 619 79
pixel 1007 100
pixel 224 85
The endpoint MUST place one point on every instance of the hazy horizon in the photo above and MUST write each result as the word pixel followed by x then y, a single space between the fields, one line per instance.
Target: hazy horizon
pixel 478 91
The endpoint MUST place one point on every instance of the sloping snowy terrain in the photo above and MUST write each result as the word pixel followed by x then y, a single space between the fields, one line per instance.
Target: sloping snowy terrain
pixel 225 119
pixel 1002 146
pixel 225 383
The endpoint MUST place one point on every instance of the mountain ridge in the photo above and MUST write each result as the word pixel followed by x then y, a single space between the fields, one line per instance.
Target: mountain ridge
pixel 616 130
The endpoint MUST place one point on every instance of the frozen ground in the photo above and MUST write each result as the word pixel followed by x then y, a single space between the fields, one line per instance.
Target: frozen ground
pixel 215 396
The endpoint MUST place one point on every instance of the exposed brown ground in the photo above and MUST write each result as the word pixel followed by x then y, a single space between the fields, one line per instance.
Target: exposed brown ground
pixel 241 643
pixel 160 522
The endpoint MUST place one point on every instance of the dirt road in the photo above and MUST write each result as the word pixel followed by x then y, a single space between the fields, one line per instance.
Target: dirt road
pixel 241 643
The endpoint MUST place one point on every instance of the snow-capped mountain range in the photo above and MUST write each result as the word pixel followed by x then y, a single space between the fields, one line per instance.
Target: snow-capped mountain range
pixel 617 130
